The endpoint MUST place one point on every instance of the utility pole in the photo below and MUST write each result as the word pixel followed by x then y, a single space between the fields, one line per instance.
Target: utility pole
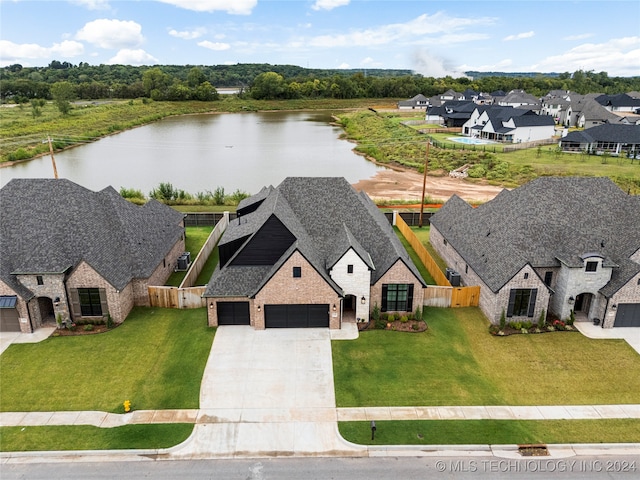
pixel 424 182
pixel 53 160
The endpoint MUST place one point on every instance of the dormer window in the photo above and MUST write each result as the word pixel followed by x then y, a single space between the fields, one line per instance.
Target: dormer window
pixel 297 272
pixel 349 268
pixel 39 280
pixel 591 267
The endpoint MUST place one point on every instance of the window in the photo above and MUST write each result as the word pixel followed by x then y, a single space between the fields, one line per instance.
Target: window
pixel 349 268
pixel 297 272
pixel 90 304
pixel 39 280
pixel 522 302
pixel 591 266
pixel 397 297
pixel 548 276
pixel 526 275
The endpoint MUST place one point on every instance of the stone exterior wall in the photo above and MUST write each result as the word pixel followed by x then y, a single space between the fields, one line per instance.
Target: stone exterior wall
pixel 532 280
pixel 357 283
pixel 310 288
pixel 21 306
pixel 398 273
pixel 52 288
pixel 212 309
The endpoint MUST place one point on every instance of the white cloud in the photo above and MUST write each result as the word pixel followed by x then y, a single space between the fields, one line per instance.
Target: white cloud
pixel 422 26
pixel 11 52
pixel 216 46
pixel 93 4
pixel 233 7
pixel 618 57
pixel 344 66
pixel 430 65
pixel 188 34
pixel 500 66
pixel 107 33
pixel 519 36
pixel 582 36
pixel 329 4
pixel 132 57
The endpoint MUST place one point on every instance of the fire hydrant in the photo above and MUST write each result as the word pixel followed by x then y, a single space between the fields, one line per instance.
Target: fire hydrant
pixel 127 406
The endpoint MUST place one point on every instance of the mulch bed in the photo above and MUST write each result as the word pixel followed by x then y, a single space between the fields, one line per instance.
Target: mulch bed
pixel 65 332
pixel 398 326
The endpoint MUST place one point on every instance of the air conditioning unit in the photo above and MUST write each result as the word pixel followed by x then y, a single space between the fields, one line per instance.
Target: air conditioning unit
pixel 448 273
pixel 184 261
pixel 455 279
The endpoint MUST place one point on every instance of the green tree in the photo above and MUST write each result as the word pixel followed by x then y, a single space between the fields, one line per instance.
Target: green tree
pixel 155 83
pixel 268 86
pixel 195 77
pixel 63 93
pixel 206 92
pixel 36 106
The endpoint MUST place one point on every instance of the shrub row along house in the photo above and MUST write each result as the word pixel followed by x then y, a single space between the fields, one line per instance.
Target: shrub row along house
pixel 71 254
pixel 310 253
pixel 553 245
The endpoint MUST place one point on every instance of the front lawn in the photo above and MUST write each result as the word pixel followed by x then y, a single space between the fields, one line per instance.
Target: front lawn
pixel 457 362
pixel 155 359
pixel 87 437
pixel 483 432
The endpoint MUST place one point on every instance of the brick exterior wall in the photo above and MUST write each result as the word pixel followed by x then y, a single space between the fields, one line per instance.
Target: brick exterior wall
pixel 52 288
pixel 519 281
pixel 630 293
pixel 310 288
pixel 212 309
pixel 21 307
pixel 398 273
pixel 159 276
pixel 357 283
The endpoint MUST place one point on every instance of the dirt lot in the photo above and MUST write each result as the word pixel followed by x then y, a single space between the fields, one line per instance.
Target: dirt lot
pixel 407 185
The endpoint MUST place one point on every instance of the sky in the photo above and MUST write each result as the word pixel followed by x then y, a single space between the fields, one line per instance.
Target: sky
pixel 433 38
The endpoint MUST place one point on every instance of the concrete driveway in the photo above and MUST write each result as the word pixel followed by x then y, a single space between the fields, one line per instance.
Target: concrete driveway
pixel 630 334
pixel 267 393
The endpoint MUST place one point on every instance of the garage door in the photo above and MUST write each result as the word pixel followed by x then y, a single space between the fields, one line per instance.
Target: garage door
pixel 233 313
pixel 628 315
pixel 9 321
pixel 296 316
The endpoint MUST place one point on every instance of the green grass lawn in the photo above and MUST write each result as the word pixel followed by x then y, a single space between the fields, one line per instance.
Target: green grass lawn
pixel 194 240
pixel 457 362
pixel 423 236
pixel 463 432
pixel 155 359
pixel 426 276
pixel 209 266
pixel 86 437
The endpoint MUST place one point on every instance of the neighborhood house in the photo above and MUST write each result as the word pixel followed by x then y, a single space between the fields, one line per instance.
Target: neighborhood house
pixel 71 254
pixel 311 252
pixel 552 245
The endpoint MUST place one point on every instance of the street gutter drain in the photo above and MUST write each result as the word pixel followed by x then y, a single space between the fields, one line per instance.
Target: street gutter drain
pixel 533 450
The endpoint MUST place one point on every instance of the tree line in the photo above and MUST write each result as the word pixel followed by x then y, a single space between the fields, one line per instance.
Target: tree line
pixel 265 81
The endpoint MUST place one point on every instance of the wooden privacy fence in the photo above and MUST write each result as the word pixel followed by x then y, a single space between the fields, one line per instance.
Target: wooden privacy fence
pixel 175 297
pixel 442 294
pixel 198 264
pixel 186 295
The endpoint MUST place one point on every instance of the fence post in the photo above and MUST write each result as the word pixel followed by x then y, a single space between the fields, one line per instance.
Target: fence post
pixel 394 218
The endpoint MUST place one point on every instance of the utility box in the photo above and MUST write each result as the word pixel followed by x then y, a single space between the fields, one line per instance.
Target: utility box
pixel 454 280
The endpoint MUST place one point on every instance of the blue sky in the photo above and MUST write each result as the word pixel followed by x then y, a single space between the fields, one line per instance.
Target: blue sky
pixel 430 37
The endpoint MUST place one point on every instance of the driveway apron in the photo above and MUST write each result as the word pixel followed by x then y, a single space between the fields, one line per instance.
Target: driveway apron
pixel 267 393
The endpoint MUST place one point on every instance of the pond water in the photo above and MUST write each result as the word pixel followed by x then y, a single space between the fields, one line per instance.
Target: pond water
pixel 197 153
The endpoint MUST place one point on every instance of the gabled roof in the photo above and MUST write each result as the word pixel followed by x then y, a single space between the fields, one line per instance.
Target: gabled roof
pixel 616 133
pixel 51 225
pixel 542 223
pixel 619 100
pixel 327 217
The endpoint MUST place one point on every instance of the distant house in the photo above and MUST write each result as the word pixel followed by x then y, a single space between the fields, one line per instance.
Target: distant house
pixel 449 95
pixel 507 124
pixel 419 102
pixel 619 103
pixel 614 139
pixel 519 98
pixel 552 245
pixel 81 255
pixel 453 113
pixel 310 252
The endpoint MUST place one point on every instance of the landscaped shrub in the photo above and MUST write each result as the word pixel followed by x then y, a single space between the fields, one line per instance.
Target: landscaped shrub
pixel 527 325
pixel 381 324
pixel 404 319
pixel 418 313
pixel 88 327
pixel 384 316
pixel 396 316
pixel 572 318
pixel 503 320
pixel 542 320
pixel 375 313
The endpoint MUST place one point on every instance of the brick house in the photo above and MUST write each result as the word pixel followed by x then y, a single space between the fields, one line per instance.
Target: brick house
pixel 79 254
pixel 310 253
pixel 553 244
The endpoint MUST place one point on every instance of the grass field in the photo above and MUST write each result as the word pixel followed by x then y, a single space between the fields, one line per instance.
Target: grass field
pixel 86 437
pixel 194 240
pixel 457 362
pixel 155 359
pixel 483 432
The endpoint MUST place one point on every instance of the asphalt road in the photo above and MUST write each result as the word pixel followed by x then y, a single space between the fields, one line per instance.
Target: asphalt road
pixel 396 468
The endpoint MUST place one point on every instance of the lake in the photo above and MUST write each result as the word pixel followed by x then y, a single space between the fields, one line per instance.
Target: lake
pixel 197 153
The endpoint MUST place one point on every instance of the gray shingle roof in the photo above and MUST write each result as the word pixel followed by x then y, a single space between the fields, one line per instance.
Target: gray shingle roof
pixel 49 226
pixel 616 133
pixel 545 221
pixel 327 216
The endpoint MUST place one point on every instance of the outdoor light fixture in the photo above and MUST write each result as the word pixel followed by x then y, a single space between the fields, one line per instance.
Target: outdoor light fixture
pixel 259 308
pixel 571 300
pixel 211 305
pixel 334 307
pixel 363 300
pixel 614 306
pixel 56 301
